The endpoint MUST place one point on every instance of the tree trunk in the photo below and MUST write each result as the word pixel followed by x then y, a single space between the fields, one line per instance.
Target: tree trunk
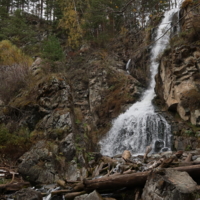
pixel 132 180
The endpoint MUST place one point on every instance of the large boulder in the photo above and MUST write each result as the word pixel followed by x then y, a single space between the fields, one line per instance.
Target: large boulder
pixel 168 184
pixel 38 164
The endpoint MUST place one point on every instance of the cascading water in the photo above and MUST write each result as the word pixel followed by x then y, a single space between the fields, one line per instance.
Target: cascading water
pixel 127 66
pixel 140 126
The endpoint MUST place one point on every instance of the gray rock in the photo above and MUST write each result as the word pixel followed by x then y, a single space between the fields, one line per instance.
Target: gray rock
pixel 37 165
pixel 198 159
pixel 67 147
pixel 27 194
pixel 185 143
pixel 81 197
pixel 168 184
pixel 94 196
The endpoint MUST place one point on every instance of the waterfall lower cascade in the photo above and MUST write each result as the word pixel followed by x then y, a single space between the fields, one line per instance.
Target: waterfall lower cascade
pixel 140 126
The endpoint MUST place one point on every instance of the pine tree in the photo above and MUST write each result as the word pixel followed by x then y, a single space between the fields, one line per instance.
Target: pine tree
pixel 52 50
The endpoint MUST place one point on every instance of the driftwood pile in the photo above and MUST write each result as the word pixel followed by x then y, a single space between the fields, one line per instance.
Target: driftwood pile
pixel 10 180
pixel 110 174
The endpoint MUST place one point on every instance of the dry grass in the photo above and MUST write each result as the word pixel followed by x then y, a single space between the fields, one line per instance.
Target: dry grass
pixel 186 3
pixel 14 68
pixel 12 79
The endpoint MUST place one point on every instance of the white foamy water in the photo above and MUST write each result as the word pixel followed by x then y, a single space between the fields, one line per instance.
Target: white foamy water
pixel 140 125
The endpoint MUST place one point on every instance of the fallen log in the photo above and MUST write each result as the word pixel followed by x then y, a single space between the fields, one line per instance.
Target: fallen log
pixel 78 187
pixel 13 187
pixel 60 192
pixel 73 195
pixel 131 180
pixel 115 182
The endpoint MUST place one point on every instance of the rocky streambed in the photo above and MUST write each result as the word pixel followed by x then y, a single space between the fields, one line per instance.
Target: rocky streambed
pixel 167 175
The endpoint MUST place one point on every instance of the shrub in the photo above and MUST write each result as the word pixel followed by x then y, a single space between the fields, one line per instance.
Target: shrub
pixel 13 144
pixel 14 67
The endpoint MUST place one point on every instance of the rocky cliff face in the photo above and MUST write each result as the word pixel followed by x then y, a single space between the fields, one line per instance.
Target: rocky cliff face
pixel 177 81
pixel 67 113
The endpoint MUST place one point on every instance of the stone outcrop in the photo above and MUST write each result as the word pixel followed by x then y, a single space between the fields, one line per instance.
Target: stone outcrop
pixel 62 113
pixel 165 184
pixel 178 83
pixel 38 164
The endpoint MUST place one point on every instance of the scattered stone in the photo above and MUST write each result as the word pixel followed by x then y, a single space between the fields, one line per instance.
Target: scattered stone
pixel 27 194
pixel 81 197
pixel 94 195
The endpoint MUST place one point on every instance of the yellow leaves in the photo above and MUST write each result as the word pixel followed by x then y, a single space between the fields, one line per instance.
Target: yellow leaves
pixel 70 23
pixel 116 7
pixel 134 10
pixel 11 55
pixel 123 31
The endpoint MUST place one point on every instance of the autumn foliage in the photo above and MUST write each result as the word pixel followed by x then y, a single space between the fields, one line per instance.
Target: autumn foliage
pixel 14 67
pixel 186 3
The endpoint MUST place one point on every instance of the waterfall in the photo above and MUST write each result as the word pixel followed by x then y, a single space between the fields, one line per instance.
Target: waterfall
pixel 127 66
pixel 140 126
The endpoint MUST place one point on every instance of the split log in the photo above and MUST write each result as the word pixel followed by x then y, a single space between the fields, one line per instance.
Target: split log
pixel 132 180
